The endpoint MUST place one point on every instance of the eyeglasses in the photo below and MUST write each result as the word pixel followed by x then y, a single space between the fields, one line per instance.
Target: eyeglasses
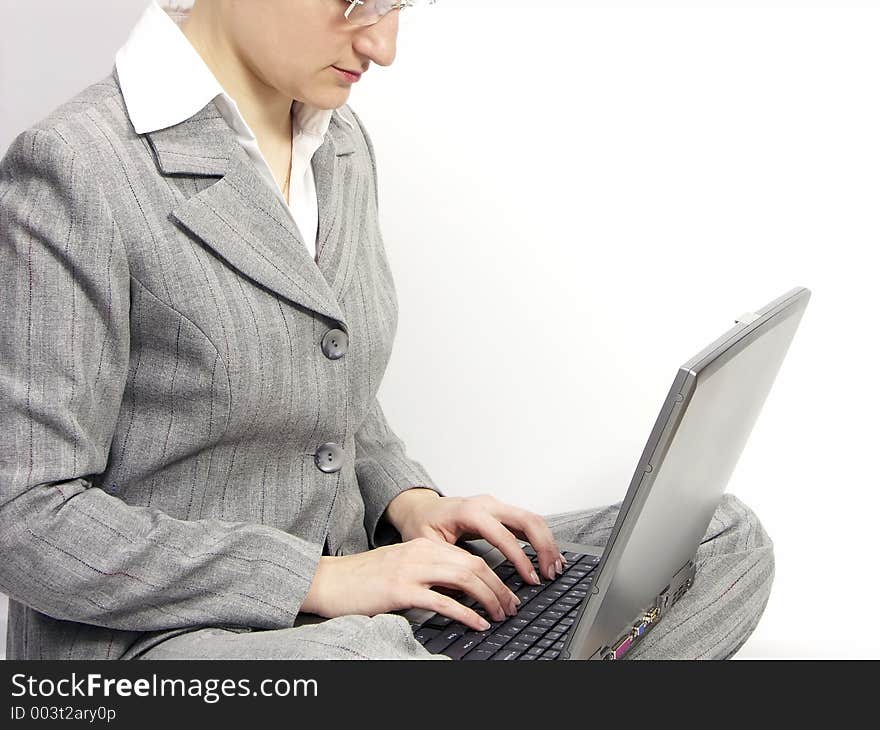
pixel 370 12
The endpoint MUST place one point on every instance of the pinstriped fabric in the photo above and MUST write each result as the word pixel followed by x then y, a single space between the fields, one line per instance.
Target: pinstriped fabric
pixel 165 381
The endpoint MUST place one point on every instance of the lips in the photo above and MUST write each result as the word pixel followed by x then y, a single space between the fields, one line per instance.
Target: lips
pixel 353 73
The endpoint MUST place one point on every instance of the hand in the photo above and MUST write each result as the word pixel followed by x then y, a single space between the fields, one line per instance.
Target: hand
pixel 420 512
pixel 400 576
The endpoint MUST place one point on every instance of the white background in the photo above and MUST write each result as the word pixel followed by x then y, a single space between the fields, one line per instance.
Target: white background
pixel 575 200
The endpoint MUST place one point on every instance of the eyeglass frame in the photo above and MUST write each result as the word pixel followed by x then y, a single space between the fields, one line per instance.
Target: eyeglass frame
pixel 352 4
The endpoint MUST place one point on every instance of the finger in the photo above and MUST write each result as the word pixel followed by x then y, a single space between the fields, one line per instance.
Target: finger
pixel 534 529
pixel 502 538
pixel 446 606
pixel 506 597
pixel 461 576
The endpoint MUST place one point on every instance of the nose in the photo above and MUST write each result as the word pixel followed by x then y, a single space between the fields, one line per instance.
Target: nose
pixel 379 41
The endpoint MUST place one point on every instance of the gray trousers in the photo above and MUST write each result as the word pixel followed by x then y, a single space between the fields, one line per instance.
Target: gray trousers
pixel 711 621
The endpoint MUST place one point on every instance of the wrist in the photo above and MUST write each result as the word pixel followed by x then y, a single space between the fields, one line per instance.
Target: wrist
pixel 314 600
pixel 403 504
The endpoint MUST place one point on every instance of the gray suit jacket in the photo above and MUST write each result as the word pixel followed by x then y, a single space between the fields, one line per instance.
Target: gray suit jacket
pixel 167 386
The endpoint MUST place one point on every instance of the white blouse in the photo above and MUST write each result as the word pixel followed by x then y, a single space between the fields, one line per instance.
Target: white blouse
pixel 165 81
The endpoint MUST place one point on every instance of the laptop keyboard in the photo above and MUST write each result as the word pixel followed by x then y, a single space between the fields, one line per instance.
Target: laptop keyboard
pixel 537 631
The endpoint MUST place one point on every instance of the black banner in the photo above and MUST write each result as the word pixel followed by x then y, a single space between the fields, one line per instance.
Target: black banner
pixel 135 694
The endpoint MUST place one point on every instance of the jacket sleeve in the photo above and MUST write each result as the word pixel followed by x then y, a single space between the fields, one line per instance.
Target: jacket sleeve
pixel 69 549
pixel 383 471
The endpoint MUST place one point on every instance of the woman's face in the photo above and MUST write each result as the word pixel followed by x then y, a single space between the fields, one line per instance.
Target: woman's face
pixel 293 45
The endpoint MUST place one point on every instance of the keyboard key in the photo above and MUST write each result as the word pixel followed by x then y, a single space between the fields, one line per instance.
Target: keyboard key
pixel 505 570
pixel 571 557
pixel 552 613
pixel 528 613
pixel 514 583
pixel 529 550
pixel 545 643
pixel 508 631
pixel 481 634
pixel 549 654
pixel 559 644
pixel 461 647
pixel 441 641
pixel 544 622
pixel 527 657
pixel 438 621
pixel 553 635
pixel 521 645
pixel 530 636
pixel 481 652
pixel 535 651
pixel 506 654
pixel 425 634
pixel 527 592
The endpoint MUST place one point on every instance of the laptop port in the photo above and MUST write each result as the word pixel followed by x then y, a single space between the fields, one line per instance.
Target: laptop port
pixel 651 615
pixel 622 648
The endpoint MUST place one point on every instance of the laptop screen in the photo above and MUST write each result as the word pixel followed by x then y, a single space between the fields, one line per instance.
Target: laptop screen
pixel 693 449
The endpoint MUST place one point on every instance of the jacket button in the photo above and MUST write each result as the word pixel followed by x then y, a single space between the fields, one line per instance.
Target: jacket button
pixel 329 457
pixel 335 343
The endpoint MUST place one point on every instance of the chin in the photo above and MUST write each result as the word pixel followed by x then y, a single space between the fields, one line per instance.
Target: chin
pixel 323 96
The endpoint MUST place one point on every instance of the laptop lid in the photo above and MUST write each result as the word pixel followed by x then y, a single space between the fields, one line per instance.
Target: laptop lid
pixel 696 441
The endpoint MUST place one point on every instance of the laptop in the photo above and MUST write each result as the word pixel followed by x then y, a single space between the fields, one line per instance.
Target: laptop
pixel 607 600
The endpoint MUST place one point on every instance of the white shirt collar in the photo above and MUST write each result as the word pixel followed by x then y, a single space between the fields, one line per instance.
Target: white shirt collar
pixel 165 81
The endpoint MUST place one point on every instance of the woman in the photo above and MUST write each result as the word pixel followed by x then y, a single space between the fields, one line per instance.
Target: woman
pixel 198 313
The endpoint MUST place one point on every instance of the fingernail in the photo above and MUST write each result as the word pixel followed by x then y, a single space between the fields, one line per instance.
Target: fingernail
pixel 552 571
pixel 558 565
pixel 516 599
pixel 563 558
pixel 534 576
pixel 484 624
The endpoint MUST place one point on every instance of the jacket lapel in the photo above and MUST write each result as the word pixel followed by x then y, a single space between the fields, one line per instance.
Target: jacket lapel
pixel 246 223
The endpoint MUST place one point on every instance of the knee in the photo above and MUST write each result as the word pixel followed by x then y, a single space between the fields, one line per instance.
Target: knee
pixel 738 525
pixel 736 534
